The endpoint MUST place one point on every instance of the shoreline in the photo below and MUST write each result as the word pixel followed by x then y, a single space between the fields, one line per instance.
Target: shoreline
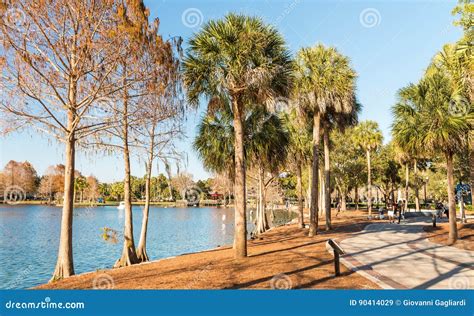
pixel 282 252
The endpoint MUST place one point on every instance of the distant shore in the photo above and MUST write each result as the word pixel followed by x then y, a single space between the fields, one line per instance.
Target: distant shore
pixel 88 204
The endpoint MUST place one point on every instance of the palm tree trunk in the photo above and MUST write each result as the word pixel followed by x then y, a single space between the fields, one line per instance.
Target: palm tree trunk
pixel 407 184
pixel 471 163
pixel 299 192
pixel 240 237
pixel 308 191
pixel 343 201
pixel 141 250
pixel 129 255
pixel 417 191
pixel 321 192
pixel 313 214
pixel 453 229
pixel 327 179
pixel 64 265
pixel 262 223
pixel 369 185
pixel 356 197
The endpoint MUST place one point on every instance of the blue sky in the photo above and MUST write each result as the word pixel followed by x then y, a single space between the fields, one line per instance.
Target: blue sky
pixel 390 43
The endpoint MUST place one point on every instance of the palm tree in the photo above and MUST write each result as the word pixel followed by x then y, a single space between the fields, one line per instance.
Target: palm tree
pixel 439 130
pixel 402 159
pixel 241 58
pixel 299 153
pixel 325 83
pixel 267 150
pixel 456 61
pixel 265 146
pixel 407 125
pixel 343 119
pixel 368 137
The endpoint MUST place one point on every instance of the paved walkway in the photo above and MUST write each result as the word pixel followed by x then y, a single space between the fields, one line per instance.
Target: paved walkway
pixel 398 256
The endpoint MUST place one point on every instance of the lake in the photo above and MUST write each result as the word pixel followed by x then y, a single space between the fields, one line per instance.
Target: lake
pixel 29 237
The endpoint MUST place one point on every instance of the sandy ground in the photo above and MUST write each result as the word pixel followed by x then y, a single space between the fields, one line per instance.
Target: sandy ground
pixel 439 235
pixel 284 257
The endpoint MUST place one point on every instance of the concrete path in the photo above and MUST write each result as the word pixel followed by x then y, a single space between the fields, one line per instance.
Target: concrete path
pixel 398 256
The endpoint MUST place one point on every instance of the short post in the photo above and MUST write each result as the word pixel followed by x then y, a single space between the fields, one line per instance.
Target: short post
pixel 337 252
pixel 434 220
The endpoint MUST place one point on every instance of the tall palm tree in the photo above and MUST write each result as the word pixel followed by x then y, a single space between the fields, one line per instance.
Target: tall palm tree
pixel 341 120
pixel 403 159
pixel 456 61
pixel 325 83
pixel 406 124
pixel 367 136
pixel 267 150
pixel 299 153
pixel 265 146
pixel 241 58
pixel 440 130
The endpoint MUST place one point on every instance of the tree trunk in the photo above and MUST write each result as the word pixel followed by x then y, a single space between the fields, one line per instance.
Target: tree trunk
pixel 356 197
pixel 327 179
pixel 369 185
pixel 407 184
pixel 471 163
pixel 65 265
pixel 343 201
pixel 417 191
pixel 321 192
pixel 299 192
pixel 240 236
pixel 313 214
pixel 141 250
pixel 129 255
pixel 308 191
pixel 453 229
pixel 262 223
pixel 462 210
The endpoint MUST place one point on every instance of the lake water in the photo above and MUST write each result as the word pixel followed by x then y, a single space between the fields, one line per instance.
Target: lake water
pixel 29 237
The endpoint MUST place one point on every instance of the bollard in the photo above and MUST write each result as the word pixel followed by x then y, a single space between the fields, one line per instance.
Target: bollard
pixel 434 220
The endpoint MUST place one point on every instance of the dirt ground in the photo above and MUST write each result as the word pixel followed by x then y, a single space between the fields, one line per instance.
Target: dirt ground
pixel 439 234
pixel 284 257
